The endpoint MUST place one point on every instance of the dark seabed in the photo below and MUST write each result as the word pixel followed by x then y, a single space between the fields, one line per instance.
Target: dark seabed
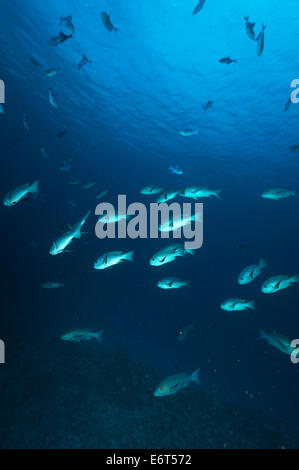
pixel 117 122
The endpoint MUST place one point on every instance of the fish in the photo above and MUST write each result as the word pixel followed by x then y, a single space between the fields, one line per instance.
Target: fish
pixel 101 194
pixel 288 104
pixel 278 341
pixel 174 224
pixel 196 192
pixel 189 132
pixel 280 282
pixel 167 195
pixel 173 283
pixel 250 28
pixel 208 105
pixel 199 6
pixel 175 383
pixel 89 185
pixel 1 109
pixel 74 182
pixel 251 272
pixel 59 246
pixel 148 190
pixel 261 41
pixel 184 332
pixel 66 167
pixel 107 23
pixel 61 134
pixel 82 335
pixel 25 122
pixel 84 61
pixel 44 153
pixel 52 285
pixel 233 305
pixel 22 193
pixel 278 193
pixel 112 258
pixel 51 72
pixel 294 148
pixel 36 63
pixel 175 170
pixel 66 22
pixel 113 218
pixel 169 254
pixel 227 60
pixel 52 99
pixel 56 40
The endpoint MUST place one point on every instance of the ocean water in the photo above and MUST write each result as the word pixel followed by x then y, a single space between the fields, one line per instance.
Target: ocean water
pixel 122 116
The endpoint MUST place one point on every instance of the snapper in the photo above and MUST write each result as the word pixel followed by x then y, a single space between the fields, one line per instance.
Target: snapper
pixel 175 383
pixel 251 272
pixel 22 193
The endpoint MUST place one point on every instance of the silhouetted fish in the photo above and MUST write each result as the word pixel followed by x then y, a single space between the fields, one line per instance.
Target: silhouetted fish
pixel 261 41
pixel 227 60
pixel 56 40
pixel 61 134
pixel 84 61
pixel 107 22
pixel 66 23
pixel 199 7
pixel 250 28
pixel 208 105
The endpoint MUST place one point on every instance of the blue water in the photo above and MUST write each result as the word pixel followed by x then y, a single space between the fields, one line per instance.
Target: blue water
pixel 123 115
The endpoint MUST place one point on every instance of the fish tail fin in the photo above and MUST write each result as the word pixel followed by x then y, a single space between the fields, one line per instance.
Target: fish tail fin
pixel 116 30
pixel 129 256
pixel 263 334
pixel 264 27
pixel 195 377
pixel 251 305
pixel 262 263
pixel 246 18
pixel 188 284
pixel 217 193
pixel 295 279
pixel 99 335
pixel 190 251
pixel 34 186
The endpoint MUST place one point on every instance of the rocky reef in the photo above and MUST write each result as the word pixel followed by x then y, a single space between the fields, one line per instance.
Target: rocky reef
pixel 70 395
